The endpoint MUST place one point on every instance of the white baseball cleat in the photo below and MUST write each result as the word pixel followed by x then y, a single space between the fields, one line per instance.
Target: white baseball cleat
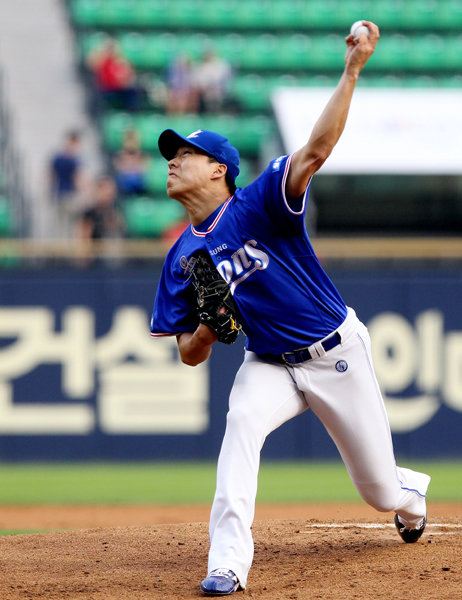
pixel 220 582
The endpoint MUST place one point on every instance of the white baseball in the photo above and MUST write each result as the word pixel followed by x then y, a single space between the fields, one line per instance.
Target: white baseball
pixel 358 29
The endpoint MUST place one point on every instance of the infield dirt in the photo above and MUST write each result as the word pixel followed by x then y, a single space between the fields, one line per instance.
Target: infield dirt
pixel 316 552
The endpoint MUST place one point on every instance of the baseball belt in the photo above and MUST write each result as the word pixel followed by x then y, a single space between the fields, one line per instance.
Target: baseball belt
pixel 302 354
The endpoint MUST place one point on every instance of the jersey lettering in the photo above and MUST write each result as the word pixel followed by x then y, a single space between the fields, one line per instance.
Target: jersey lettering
pixel 241 264
pixel 225 268
pixel 218 249
pixel 240 261
pixel 277 163
pixel 262 259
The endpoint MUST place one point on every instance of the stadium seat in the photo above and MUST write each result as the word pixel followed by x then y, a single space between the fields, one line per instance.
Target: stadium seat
pixel 113 127
pixel 269 43
pixel 251 92
pixel 156 177
pixel 247 133
pixel 267 52
pixel 327 54
pixel 85 13
pixel 449 15
pixel 391 54
pixel 452 58
pixel 428 53
pixel 147 217
pixel 267 15
pixel 6 221
pixel 418 14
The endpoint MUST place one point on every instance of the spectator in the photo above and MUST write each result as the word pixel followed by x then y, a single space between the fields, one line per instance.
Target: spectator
pixel 103 219
pixel 67 183
pixel 130 165
pixel 181 93
pixel 212 78
pixel 115 77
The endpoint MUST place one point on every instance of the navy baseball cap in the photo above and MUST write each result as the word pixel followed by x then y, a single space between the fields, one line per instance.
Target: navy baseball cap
pixel 210 142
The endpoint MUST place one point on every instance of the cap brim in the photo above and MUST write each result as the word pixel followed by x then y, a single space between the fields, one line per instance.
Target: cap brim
pixel 170 141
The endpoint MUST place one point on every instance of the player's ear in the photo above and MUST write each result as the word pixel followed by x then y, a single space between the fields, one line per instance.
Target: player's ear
pixel 219 171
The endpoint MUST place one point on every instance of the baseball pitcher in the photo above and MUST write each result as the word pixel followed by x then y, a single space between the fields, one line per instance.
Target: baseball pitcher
pixel 246 264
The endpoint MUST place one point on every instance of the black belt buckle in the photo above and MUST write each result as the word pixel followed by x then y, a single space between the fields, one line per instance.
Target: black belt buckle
pixel 301 355
pixel 287 362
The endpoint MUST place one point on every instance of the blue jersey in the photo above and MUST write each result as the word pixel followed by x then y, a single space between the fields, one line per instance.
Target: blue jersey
pixel 259 244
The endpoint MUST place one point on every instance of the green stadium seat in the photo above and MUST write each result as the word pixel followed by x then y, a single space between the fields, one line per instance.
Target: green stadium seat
pixel 117 13
pixel 247 132
pixel 449 15
pixel 381 81
pixel 85 13
pixel 148 14
pixel 428 52
pixel 386 13
pixel 319 81
pixel 113 128
pixel 345 13
pixel 393 53
pixel 418 14
pixel 452 57
pixel 233 47
pixel 253 14
pixel 91 41
pixel 156 177
pixel 220 15
pixel 251 92
pixel 286 16
pixel 147 51
pixel 6 220
pixel 269 15
pixel 317 14
pixel 328 53
pixel 270 43
pixel 147 217
pixel 263 52
pixel 298 51
pixel 183 13
pixel 421 81
pixel 246 174
pixel 454 81
pixel 271 53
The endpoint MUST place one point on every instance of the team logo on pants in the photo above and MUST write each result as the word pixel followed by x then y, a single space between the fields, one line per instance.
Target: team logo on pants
pixel 341 366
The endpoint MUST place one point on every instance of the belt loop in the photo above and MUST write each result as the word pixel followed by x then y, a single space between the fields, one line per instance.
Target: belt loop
pixel 318 348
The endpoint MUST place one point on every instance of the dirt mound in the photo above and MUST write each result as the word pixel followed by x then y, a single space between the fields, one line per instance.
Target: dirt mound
pixel 297 559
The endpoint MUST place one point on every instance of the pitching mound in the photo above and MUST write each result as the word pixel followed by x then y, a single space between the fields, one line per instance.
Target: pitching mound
pixel 294 559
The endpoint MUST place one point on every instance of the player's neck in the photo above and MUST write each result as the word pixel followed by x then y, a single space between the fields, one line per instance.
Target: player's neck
pixel 199 208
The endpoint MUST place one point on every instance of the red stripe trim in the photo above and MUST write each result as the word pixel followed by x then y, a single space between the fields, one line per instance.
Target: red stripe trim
pixel 212 226
pixel 155 335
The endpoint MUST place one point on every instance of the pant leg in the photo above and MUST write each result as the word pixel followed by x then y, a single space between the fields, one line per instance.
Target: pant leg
pixel 350 406
pixel 264 396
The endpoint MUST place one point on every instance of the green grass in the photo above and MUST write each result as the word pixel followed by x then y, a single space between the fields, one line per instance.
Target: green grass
pixel 22 531
pixel 181 483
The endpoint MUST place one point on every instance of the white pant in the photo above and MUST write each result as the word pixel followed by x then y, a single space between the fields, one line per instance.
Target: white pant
pixel 350 406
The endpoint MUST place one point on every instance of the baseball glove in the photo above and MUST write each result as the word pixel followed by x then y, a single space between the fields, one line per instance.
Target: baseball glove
pixel 215 304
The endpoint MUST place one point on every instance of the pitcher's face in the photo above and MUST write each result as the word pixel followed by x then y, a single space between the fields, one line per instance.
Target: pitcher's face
pixel 189 171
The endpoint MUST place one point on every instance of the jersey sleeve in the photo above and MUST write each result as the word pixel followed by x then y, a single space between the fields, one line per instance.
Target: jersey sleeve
pixel 266 197
pixel 174 310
